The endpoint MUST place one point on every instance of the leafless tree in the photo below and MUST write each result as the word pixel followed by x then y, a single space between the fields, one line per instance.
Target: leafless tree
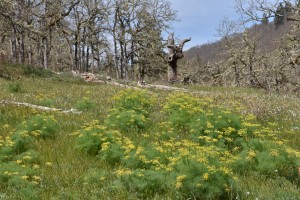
pixel 175 53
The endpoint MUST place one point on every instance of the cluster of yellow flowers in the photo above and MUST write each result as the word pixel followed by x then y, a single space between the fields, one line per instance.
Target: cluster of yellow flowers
pixel 196 142
pixel 7 141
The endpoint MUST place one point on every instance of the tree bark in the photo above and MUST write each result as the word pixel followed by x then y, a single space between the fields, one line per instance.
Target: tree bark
pixel 175 53
pixel 45 49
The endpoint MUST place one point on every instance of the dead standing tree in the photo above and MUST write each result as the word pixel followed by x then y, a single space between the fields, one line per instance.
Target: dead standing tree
pixel 175 53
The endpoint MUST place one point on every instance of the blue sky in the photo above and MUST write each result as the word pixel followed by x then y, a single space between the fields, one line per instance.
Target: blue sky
pixel 199 19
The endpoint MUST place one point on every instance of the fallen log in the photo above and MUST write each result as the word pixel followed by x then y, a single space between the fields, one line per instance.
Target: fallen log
pixel 7 102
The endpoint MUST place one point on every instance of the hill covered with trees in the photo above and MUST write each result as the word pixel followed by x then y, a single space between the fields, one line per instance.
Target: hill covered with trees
pixel 265 55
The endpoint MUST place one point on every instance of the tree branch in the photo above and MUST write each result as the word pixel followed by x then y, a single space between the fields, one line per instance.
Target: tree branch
pixel 183 42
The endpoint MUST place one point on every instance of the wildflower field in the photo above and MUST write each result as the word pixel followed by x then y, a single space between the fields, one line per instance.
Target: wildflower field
pixel 209 143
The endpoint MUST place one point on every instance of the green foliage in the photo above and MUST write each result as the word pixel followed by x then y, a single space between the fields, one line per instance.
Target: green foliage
pixel 14 87
pixel 216 146
pixel 269 158
pixel 19 176
pixel 39 126
pixel 182 108
pixel 204 181
pixel 95 176
pixel 141 101
pixel 84 104
pixel 131 110
pixel 126 120
pixel 47 103
pixel 207 123
pixel 145 182
pixel 155 166
pixel 19 162
pixel 39 72
pixel 92 139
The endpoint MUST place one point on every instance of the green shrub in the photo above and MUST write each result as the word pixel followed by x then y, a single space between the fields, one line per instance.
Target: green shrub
pixel 140 101
pixel 198 152
pixel 201 180
pixel 19 162
pixel 217 127
pixel 84 104
pixel 145 183
pixel 126 120
pixel 268 158
pixel 131 110
pixel 182 108
pixel 94 138
pixel 21 174
pixel 95 176
pixel 40 126
pixel 14 87
pixel 24 137
pixel 47 102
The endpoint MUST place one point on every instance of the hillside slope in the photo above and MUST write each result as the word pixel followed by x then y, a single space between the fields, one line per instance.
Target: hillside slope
pixel 267 37
pixel 260 57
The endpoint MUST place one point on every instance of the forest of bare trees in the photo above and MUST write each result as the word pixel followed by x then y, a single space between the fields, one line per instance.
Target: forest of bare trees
pixel 122 37
pixel 264 55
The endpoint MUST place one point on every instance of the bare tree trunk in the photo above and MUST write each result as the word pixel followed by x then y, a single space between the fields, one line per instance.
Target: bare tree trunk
pixel 121 60
pixel 132 61
pixel 141 75
pixel 19 49
pixel 45 36
pixel 22 48
pixel 93 54
pixel 87 58
pixel 76 53
pixel 45 49
pixel 14 46
pixel 30 49
pixel 237 75
pixel 175 53
pixel 83 63
pixel 116 59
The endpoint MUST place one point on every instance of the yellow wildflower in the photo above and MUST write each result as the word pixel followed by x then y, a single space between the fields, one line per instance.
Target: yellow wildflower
pixel 205 176
pixel 5 126
pixel 19 161
pixel 25 177
pixel 274 153
pixel 251 154
pixel 35 166
pixel 27 157
pixel 178 185
pixel 105 146
pixel 37 178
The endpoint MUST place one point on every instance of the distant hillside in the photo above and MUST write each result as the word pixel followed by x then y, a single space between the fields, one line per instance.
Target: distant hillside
pixel 267 36
pixel 260 57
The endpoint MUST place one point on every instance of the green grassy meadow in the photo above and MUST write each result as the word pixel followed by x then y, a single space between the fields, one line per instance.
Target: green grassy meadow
pixel 209 143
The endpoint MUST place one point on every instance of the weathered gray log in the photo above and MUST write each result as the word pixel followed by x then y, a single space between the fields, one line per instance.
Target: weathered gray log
pixel 7 102
pixel 175 53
